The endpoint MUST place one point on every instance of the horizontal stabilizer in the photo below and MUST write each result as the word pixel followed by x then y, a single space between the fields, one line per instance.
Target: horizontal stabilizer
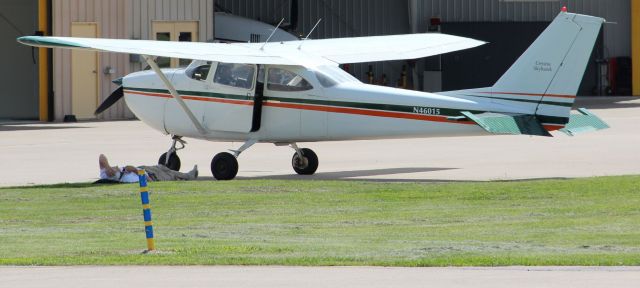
pixel 508 124
pixel 584 122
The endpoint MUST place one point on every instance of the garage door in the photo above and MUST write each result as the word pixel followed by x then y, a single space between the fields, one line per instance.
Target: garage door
pixel 19 73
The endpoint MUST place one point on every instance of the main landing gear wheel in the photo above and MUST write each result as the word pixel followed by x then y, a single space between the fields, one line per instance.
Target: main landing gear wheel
pixel 224 166
pixel 307 164
pixel 174 161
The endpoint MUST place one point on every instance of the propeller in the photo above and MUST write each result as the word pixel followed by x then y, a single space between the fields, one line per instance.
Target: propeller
pixel 112 99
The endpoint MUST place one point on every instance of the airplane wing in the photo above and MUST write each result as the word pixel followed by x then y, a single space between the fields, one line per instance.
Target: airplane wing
pixel 304 53
pixel 219 52
pixel 385 48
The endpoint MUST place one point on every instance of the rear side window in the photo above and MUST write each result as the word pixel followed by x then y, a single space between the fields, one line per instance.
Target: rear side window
pixel 325 80
pixel 287 81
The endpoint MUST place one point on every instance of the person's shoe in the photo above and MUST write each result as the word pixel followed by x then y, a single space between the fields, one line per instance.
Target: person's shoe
pixel 194 172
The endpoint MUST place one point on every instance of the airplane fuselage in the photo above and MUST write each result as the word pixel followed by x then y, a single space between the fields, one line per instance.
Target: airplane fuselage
pixel 349 110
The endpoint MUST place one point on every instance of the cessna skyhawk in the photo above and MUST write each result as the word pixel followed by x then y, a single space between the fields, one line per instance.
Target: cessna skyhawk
pixel 290 92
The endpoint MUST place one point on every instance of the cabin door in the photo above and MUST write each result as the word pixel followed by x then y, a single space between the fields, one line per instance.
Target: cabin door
pixel 230 105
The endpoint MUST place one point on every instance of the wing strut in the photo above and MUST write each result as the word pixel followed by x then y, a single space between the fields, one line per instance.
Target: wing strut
pixel 175 94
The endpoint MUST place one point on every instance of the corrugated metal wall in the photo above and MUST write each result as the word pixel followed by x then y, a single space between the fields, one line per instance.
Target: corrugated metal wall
pixel 340 18
pixel 344 18
pixel 123 19
pixel 111 24
pixel 617 36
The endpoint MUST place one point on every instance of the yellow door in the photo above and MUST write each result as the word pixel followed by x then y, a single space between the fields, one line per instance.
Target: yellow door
pixel 84 74
pixel 183 31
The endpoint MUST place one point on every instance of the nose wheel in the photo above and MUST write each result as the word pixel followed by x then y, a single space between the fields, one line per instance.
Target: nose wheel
pixel 173 161
pixel 305 161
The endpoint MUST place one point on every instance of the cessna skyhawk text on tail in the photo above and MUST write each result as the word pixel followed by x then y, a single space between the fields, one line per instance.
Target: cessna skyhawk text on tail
pixel 290 92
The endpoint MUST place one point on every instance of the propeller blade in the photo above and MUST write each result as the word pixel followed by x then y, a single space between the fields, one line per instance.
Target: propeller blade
pixel 112 99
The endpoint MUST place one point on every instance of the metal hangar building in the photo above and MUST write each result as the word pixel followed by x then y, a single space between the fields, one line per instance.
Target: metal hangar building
pixel 47 85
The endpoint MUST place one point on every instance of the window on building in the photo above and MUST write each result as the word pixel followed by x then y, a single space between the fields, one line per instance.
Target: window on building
pixel 235 75
pixel 163 62
pixel 287 81
pixel 185 37
pixel 179 31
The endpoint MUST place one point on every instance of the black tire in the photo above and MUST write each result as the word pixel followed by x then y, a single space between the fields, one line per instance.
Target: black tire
pixel 306 166
pixel 174 161
pixel 224 167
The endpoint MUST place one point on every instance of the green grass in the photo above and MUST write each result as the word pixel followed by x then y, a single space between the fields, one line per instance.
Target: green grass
pixel 557 222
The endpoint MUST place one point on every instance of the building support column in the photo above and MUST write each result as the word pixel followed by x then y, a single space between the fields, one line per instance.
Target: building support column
pixel 635 46
pixel 43 61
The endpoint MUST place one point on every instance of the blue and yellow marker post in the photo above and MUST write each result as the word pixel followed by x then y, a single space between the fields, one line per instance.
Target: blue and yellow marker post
pixel 146 210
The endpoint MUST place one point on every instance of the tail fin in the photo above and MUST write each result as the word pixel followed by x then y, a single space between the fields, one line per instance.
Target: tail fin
pixel 544 81
pixel 551 70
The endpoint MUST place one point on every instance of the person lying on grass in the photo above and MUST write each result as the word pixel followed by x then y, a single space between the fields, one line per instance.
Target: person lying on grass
pixel 129 174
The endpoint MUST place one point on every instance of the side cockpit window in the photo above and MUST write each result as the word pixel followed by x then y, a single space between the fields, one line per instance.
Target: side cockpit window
pixel 235 75
pixel 287 81
pixel 199 73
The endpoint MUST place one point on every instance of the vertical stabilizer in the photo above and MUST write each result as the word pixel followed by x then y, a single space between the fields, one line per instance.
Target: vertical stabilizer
pixel 551 70
pixel 544 81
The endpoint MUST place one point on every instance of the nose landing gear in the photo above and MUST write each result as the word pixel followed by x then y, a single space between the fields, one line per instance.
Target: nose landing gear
pixel 304 161
pixel 173 161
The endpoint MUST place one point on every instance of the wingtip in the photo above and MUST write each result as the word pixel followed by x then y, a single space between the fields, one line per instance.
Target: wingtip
pixel 50 42
pixel 24 39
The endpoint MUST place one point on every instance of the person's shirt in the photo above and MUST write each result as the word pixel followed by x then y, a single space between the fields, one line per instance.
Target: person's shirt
pixel 127 177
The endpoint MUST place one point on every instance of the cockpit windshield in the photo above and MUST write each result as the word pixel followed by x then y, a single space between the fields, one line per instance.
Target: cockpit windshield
pixel 330 76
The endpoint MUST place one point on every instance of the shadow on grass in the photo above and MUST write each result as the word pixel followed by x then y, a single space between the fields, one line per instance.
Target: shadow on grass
pixel 339 176
pixel 63 185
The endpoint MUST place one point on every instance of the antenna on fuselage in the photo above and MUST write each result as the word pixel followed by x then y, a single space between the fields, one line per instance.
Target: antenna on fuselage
pixel 309 35
pixel 272 33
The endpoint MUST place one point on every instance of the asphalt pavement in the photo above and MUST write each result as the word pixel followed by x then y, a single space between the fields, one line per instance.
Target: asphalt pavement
pixel 68 153
pixel 318 277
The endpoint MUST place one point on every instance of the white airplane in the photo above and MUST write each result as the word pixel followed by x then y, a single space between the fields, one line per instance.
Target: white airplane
pixel 290 92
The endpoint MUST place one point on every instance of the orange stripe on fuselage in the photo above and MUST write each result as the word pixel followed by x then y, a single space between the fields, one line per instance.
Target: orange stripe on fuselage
pixel 386 114
pixel 341 110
